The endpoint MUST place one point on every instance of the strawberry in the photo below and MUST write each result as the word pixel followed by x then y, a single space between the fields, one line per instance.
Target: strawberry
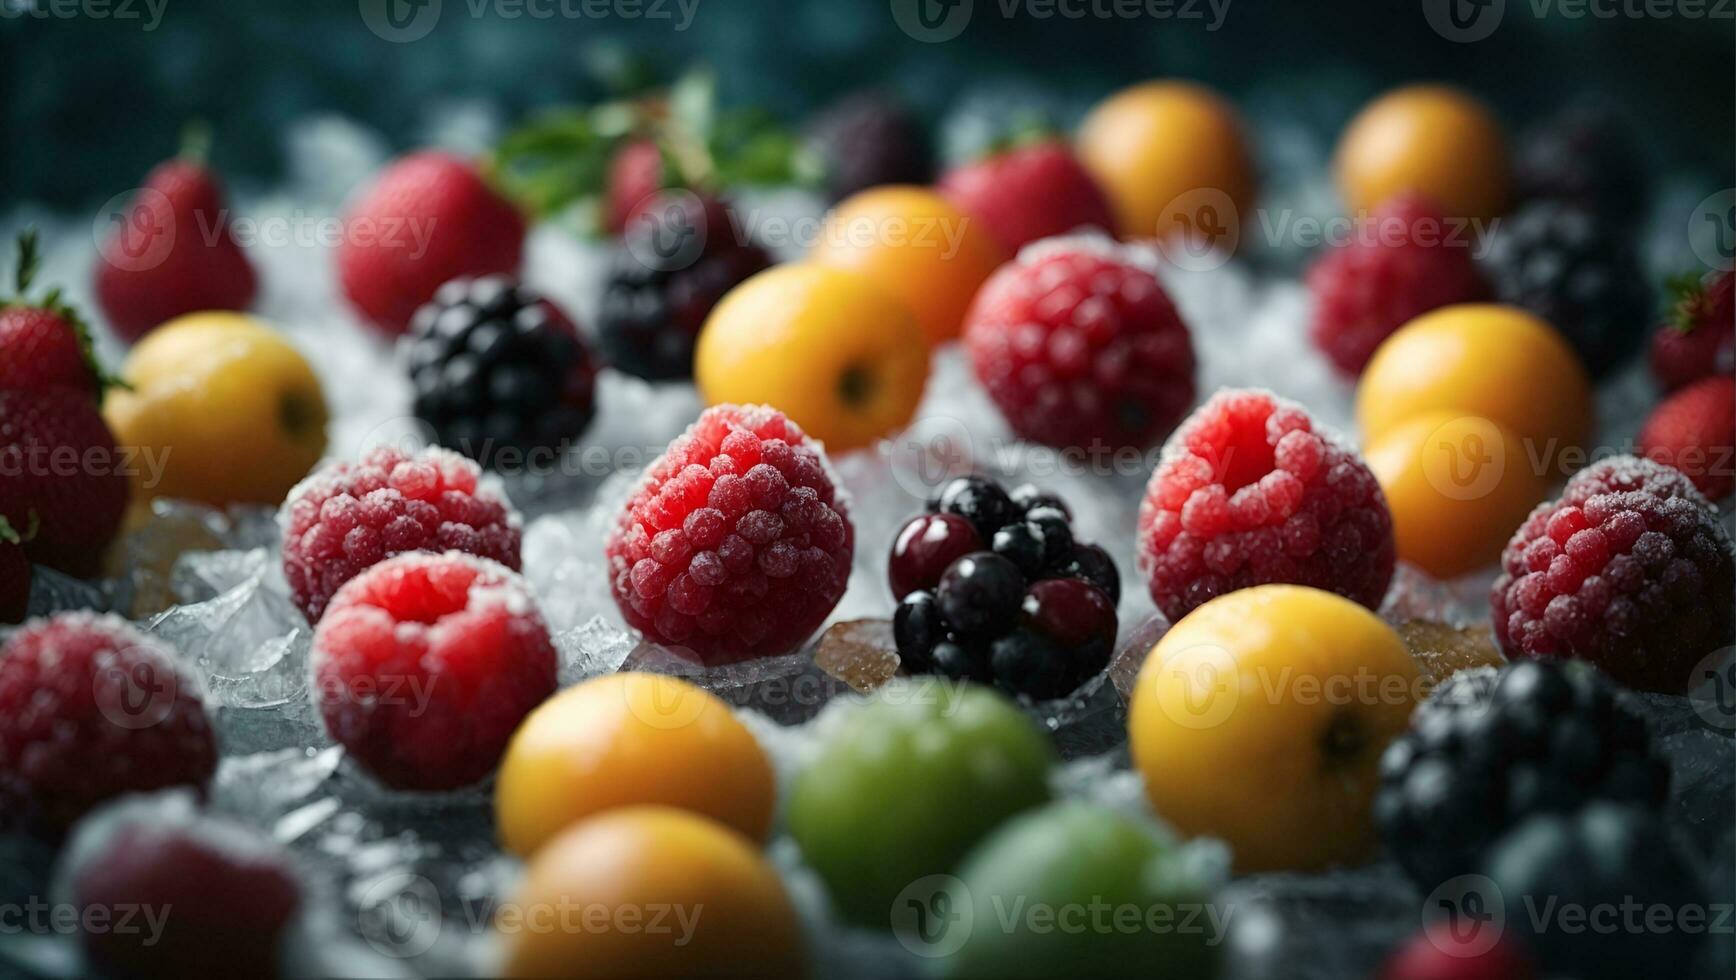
pixel 43 342
pixel 172 252
pixel 635 174
pixel 59 468
pixel 1028 192
pixel 14 574
pixel 1694 430
pixel 1700 340
pixel 428 219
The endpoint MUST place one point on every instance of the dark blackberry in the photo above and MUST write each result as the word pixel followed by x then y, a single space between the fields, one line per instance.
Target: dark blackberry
pixel 1035 615
pixel 1587 154
pixel 676 260
pixel 1617 864
pixel 1578 271
pixel 1488 750
pixel 866 140
pixel 499 373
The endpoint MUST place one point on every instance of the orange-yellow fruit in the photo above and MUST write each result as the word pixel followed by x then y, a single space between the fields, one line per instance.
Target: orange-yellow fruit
pixel 1433 139
pixel 1260 719
pixel 650 892
pixel 230 410
pixel 1163 151
pixel 826 346
pixel 627 739
pixel 1481 359
pixel 1458 486
pixel 916 246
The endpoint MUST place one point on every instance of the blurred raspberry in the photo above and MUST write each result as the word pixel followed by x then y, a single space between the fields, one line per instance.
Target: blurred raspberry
pixel 1249 493
pixel 1403 262
pixel 425 665
pixel 1029 192
pixel 1078 347
pixel 92 709
pixel 348 516
pixel 738 544
pixel 1630 570
pixel 1694 430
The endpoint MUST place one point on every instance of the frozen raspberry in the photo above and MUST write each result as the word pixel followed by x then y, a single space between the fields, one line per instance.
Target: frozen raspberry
pixel 230 895
pixel 1249 493
pixel 738 543
pixel 1630 570
pixel 91 709
pixel 424 665
pixel 348 516
pixel 1404 261
pixel 1078 347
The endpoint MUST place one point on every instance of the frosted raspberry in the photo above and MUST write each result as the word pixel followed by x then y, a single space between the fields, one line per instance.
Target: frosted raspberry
pixel 230 894
pixel 92 709
pixel 348 516
pixel 424 665
pixel 1249 493
pixel 1403 262
pixel 738 543
pixel 1630 570
pixel 1079 347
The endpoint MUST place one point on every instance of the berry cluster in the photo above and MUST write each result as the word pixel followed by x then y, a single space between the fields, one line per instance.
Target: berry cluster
pixel 1630 569
pixel 1488 750
pixel 499 372
pixel 1249 493
pixel 993 588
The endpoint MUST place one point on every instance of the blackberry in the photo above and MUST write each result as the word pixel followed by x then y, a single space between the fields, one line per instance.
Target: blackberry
pixel 1578 271
pixel 866 140
pixel 1034 615
pixel 1619 864
pixel 1489 749
pixel 675 262
pixel 1586 154
pixel 499 372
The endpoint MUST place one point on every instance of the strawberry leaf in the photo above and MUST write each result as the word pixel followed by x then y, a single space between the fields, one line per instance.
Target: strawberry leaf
pixel 9 535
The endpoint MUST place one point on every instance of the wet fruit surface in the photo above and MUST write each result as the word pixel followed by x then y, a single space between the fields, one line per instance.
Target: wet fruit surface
pixel 906 784
pixel 1236 727
pixel 647 891
pixel 628 739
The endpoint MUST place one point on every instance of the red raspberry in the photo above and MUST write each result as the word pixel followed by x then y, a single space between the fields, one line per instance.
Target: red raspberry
pixel 1079 347
pixel 1248 493
pixel 1437 953
pixel 1629 570
pixel 1027 193
pixel 1404 261
pixel 635 173
pixel 61 473
pixel 348 516
pixel 229 895
pixel 737 544
pixel 91 709
pixel 1694 430
pixel 425 665
pixel 1700 340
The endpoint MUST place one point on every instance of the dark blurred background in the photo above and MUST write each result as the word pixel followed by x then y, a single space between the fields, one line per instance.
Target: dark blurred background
pixel 88 104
